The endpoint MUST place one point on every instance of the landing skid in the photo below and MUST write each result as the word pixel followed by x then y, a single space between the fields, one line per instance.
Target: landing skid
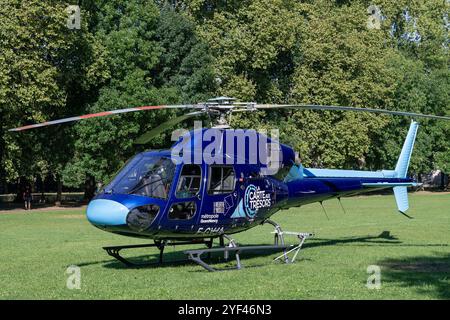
pixel 114 251
pixel 232 247
pixel 279 245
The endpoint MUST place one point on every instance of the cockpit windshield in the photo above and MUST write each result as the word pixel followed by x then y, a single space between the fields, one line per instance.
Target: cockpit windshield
pixel 144 175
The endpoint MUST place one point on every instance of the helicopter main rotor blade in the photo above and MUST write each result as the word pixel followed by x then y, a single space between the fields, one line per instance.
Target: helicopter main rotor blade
pixel 146 137
pixel 103 114
pixel 220 106
pixel 340 108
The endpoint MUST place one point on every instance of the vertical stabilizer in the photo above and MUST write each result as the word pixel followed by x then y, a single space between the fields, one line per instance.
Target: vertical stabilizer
pixel 401 169
pixel 403 161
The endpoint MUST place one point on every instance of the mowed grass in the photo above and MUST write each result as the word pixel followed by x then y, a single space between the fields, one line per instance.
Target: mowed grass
pixel 414 257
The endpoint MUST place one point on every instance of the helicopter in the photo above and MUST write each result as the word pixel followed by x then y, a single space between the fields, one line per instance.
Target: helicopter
pixel 218 181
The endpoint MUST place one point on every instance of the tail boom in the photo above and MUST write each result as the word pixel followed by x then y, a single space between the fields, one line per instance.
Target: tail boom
pixel 383 179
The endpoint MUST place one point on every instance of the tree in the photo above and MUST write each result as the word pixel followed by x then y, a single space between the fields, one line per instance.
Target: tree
pixel 186 62
pixel 281 51
pixel 419 35
pixel 153 59
pixel 324 52
pixel 44 70
pixel 252 43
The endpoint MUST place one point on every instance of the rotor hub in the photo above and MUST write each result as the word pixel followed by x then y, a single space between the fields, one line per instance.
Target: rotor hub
pixel 220 109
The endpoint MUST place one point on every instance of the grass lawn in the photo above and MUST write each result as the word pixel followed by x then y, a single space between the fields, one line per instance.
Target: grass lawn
pixel 414 257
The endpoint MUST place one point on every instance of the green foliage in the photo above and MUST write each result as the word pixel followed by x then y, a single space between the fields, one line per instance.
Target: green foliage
pixel 424 91
pixel 322 52
pixel 154 58
pixel 251 42
pixel 186 62
pixel 128 33
pixel 46 71
pixel 271 51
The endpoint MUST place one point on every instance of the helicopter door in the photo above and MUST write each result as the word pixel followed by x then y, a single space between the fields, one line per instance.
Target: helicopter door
pixel 186 202
pixel 221 192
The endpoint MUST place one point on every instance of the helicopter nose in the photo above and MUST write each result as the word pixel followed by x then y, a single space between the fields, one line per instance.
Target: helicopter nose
pixel 106 212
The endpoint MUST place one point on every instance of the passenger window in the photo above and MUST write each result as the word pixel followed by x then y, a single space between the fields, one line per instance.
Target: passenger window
pixel 182 210
pixel 189 182
pixel 222 179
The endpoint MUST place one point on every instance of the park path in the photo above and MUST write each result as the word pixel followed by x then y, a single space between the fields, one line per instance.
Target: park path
pixel 37 209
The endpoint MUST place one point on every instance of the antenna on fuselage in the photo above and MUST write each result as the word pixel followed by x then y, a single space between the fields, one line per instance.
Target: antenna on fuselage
pixel 343 209
pixel 325 211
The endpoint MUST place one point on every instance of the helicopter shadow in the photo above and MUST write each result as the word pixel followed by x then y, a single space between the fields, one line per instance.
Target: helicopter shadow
pixel 385 238
pixel 178 258
pixel 142 261
pixel 427 275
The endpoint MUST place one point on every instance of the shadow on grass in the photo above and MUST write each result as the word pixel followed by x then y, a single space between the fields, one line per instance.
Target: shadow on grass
pixel 430 275
pixel 384 238
pixel 178 258
pixel 150 260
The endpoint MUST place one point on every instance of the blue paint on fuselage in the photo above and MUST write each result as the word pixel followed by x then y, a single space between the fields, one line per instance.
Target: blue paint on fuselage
pixel 313 189
pixel 208 221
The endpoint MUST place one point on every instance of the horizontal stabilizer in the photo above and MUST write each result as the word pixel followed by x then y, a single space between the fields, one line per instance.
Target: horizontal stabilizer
pixel 390 184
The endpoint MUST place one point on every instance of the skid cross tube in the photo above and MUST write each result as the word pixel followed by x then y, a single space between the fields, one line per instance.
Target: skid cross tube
pixel 231 244
pixel 195 255
pixel 278 236
pixel 302 236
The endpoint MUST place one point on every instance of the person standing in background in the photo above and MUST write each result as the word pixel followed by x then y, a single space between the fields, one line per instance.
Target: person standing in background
pixel 27 197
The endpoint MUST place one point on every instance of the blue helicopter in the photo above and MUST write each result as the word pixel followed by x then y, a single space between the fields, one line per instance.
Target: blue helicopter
pixel 215 182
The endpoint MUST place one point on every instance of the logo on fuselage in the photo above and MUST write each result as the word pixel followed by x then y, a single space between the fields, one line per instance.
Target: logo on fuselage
pixel 255 199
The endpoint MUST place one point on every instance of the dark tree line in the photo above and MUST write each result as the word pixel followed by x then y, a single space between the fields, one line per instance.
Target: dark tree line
pixel 138 52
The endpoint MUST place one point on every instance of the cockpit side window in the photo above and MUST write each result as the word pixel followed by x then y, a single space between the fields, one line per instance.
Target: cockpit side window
pixel 222 179
pixel 148 175
pixel 189 181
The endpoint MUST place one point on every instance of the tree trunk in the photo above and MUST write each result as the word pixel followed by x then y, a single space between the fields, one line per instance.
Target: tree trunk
pixel 3 184
pixel 42 190
pixel 5 189
pixel 59 191
pixel 89 188
pixel 20 189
